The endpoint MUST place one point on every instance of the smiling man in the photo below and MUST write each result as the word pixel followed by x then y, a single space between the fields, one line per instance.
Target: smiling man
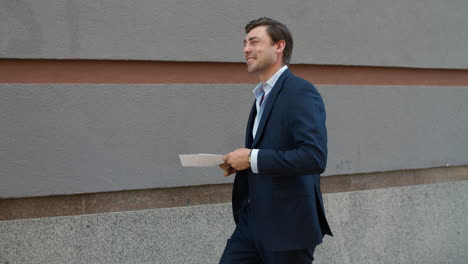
pixel 277 203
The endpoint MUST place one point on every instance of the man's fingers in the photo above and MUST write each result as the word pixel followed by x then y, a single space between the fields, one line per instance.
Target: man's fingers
pixel 229 170
pixel 226 157
pixel 230 162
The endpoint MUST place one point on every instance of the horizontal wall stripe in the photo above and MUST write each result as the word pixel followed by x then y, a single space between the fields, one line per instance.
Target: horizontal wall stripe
pixel 148 72
pixel 92 138
pixel 79 204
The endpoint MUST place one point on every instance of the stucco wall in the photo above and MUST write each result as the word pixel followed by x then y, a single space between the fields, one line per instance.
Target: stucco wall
pixel 408 33
pixel 64 139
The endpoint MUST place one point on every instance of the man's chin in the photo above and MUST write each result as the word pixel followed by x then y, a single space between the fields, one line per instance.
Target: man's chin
pixel 251 69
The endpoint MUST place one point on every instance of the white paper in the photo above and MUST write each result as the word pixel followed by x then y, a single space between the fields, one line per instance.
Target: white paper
pixel 201 160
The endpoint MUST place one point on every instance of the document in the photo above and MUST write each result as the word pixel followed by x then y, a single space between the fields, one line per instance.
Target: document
pixel 201 160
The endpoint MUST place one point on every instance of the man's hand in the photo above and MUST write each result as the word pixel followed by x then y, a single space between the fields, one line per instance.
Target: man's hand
pixel 228 170
pixel 238 159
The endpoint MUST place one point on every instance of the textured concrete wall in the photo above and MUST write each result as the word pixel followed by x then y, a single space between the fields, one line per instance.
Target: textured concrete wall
pixel 418 224
pixel 408 33
pixel 64 139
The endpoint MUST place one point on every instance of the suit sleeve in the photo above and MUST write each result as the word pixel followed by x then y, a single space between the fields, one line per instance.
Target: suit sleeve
pixel 306 123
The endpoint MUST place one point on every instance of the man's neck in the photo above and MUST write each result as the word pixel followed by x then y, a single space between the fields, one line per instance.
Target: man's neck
pixel 266 75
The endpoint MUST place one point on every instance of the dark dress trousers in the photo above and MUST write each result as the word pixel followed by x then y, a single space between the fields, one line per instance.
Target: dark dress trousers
pixel 284 201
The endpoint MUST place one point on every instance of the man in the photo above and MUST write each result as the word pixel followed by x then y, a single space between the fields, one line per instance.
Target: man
pixel 277 203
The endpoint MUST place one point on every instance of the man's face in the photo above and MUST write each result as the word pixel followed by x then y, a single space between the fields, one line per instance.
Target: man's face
pixel 259 50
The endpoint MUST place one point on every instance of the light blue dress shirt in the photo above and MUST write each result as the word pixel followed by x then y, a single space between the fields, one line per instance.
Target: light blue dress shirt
pixel 258 93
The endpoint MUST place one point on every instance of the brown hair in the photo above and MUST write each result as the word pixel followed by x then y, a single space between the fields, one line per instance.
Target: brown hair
pixel 277 31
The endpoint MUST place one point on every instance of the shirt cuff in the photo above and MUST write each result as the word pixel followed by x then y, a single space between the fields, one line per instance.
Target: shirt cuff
pixel 253 160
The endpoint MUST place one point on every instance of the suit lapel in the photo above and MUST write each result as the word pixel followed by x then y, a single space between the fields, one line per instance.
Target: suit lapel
pixel 248 132
pixel 269 106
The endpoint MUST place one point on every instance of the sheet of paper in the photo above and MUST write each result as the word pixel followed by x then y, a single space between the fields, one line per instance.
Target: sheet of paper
pixel 201 160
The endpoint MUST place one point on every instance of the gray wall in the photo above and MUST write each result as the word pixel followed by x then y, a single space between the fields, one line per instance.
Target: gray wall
pixel 410 33
pixel 64 139
pixel 418 224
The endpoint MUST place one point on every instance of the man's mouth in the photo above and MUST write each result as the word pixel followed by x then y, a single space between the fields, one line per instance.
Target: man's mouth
pixel 250 60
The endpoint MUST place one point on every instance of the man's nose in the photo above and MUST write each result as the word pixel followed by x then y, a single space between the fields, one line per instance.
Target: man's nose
pixel 246 49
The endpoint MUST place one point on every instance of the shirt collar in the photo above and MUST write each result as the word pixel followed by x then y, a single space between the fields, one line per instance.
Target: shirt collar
pixel 269 84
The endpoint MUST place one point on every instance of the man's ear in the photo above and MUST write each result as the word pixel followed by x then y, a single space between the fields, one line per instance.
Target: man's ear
pixel 280 45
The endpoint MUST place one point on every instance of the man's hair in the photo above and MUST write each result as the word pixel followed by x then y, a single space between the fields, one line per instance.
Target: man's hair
pixel 277 31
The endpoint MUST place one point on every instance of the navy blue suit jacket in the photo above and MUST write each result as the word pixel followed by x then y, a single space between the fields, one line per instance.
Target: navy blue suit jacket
pixel 287 211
